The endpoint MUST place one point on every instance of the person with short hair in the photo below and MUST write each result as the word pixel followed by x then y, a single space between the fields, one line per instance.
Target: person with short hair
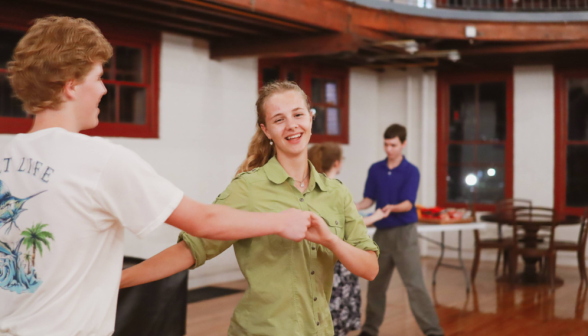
pixel 392 184
pixel 289 284
pixel 66 198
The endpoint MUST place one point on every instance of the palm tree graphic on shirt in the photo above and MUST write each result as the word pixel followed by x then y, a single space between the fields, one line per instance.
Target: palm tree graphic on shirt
pixel 36 237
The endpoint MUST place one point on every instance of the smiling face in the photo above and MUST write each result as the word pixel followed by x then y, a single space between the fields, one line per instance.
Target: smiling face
pixel 87 94
pixel 287 123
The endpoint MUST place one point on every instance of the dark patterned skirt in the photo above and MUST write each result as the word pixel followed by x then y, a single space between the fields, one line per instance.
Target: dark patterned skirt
pixel 345 301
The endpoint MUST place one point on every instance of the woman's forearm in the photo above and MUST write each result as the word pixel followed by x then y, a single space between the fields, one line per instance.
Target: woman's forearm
pixel 359 262
pixel 167 263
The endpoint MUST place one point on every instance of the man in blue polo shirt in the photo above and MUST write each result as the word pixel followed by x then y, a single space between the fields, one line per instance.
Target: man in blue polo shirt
pixel 393 184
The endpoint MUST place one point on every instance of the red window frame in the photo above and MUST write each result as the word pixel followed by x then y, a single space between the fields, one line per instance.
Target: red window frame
pixel 444 81
pixel 305 73
pixel 148 41
pixel 561 138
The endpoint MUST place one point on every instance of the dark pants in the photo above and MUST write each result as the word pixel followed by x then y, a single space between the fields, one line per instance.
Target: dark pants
pixel 399 248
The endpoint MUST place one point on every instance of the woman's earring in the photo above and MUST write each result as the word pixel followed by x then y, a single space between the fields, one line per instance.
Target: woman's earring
pixel 271 142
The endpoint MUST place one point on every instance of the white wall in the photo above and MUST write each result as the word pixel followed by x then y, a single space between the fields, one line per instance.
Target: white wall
pixel 534 134
pixel 364 141
pixel 206 112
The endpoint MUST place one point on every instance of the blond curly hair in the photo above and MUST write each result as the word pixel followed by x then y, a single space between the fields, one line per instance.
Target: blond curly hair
pixel 55 50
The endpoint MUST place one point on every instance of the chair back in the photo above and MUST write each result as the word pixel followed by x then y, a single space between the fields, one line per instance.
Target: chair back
pixel 505 208
pixel 538 216
pixel 583 231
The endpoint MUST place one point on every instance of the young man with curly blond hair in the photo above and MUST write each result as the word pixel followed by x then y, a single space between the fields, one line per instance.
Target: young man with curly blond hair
pixel 65 198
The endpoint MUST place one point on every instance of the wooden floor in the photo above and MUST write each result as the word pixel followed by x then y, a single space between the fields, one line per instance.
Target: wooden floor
pixel 491 309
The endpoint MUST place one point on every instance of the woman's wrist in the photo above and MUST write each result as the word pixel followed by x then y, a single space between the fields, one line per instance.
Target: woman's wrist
pixel 331 241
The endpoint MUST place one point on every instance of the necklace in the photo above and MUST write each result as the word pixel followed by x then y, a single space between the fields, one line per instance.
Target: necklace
pixel 302 182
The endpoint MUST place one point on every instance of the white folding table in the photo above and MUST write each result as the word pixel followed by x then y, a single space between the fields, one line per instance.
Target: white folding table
pixel 442 228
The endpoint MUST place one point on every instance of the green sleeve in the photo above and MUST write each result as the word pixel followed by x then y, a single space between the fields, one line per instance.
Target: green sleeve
pixel 203 249
pixel 355 230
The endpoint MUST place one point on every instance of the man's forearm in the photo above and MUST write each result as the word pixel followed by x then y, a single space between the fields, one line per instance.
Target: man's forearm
pixel 400 207
pixel 221 222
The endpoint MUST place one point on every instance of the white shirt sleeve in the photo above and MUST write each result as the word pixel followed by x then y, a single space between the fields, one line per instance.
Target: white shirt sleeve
pixel 132 192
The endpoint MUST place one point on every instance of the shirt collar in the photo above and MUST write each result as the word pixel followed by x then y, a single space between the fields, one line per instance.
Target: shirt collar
pixel 385 163
pixel 276 173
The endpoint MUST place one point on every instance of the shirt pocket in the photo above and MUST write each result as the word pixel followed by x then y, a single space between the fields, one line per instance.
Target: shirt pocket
pixel 336 224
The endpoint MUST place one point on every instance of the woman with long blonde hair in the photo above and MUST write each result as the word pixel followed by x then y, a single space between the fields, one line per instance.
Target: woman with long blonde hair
pixel 345 305
pixel 289 282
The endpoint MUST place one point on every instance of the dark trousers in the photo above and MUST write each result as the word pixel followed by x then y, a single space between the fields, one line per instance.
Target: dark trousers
pixel 399 248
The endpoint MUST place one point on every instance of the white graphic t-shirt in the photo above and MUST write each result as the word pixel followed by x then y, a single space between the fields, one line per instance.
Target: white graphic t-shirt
pixel 65 199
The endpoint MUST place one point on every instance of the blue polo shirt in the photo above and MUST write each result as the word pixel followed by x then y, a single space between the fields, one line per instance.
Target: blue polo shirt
pixel 393 186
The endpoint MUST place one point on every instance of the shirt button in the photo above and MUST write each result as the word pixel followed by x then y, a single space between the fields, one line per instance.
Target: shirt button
pixel 314 299
pixel 389 173
pixel 318 323
pixel 312 273
pixel 313 248
pixel 302 200
pixel 337 222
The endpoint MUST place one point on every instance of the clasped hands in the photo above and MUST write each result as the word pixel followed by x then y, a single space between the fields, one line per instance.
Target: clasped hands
pixel 298 225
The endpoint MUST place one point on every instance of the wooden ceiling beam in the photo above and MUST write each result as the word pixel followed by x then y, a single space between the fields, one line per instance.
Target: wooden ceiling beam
pixel 525 48
pixel 331 15
pixel 298 25
pixel 131 17
pixel 189 20
pixel 287 47
pixel 230 16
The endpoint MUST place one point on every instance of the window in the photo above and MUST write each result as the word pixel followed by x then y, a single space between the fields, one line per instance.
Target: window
pixel 571 161
pixel 474 139
pixel 327 89
pixel 129 109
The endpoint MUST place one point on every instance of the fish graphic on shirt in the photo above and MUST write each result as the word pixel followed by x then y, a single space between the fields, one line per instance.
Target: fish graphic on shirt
pixel 11 207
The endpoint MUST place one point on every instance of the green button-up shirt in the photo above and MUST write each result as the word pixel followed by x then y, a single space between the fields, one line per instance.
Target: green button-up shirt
pixel 289 283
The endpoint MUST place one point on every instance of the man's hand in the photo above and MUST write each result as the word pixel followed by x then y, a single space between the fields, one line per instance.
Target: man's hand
pixel 319 232
pixel 381 214
pixel 294 223
pixel 400 207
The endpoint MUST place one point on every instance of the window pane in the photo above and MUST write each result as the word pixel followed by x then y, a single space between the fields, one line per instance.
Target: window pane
pixel 490 154
pixel 107 105
pixel 461 154
pixel 319 125
pixel 9 106
pixel 462 109
pixel 492 118
pixel 317 89
pixel 578 109
pixel 488 189
pixel 8 41
pixel 129 64
pixel 333 126
pixel 324 91
pixel 270 75
pixel 577 176
pixel 132 105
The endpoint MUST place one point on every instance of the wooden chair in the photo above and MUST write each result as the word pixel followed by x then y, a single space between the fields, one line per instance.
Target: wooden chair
pixel 579 247
pixel 540 249
pixel 504 209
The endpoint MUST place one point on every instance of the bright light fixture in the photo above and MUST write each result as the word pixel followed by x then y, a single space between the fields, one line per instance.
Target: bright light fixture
pixel 471 180
pixel 491 172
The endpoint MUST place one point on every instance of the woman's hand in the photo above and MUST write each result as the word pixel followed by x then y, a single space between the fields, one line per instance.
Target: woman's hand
pixel 319 232
pixel 376 216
